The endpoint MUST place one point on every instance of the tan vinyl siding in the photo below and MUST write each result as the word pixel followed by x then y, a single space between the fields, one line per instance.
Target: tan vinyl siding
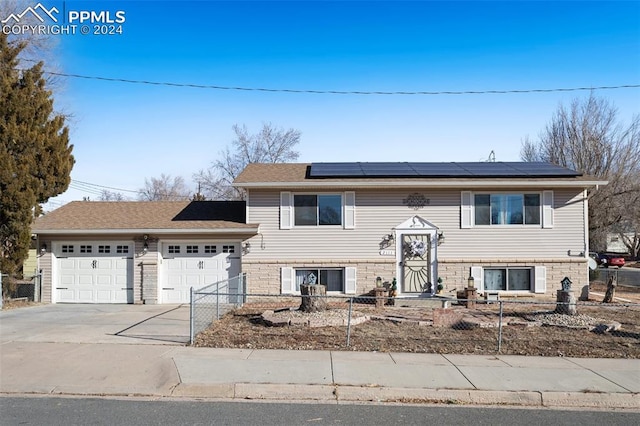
pixel 44 265
pixel 377 212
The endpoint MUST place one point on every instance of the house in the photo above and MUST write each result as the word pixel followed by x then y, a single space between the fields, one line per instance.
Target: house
pixel 138 252
pixel 616 242
pixel 516 228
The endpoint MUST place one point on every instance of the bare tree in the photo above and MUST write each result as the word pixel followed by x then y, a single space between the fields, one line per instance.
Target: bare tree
pixel 164 188
pixel 587 137
pixel 107 195
pixel 270 145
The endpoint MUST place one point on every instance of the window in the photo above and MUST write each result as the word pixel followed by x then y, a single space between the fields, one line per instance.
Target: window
pixel 67 249
pixel 507 209
pixel 192 249
pixel 173 249
pixel 315 210
pixel 85 249
pixel 122 249
pixel 332 278
pixel 104 249
pixel 229 249
pixel 210 249
pixel 507 279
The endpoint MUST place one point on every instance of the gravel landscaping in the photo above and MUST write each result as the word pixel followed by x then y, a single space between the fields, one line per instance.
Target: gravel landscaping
pixel 598 331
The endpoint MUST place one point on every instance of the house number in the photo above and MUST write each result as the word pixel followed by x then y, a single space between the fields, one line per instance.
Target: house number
pixel 416 201
pixel 387 252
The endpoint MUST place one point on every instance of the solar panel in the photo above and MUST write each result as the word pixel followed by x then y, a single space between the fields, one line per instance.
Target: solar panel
pixel 439 170
pixel 336 170
pixel 387 169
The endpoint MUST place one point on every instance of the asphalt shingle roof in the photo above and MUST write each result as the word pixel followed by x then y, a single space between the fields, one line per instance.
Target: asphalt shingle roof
pixel 281 174
pixel 140 215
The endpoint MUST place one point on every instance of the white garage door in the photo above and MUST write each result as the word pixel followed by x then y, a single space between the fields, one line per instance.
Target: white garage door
pixel 94 272
pixel 196 264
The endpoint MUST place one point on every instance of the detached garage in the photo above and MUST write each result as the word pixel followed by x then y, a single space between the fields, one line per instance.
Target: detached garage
pixel 139 252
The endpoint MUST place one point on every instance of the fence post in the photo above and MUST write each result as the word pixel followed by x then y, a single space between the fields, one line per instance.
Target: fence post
pixel 37 290
pixel 500 327
pixel 191 317
pixel 218 299
pixel 349 322
pixel 244 288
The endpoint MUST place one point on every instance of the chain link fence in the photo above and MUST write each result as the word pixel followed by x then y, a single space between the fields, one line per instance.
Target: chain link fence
pixel 627 276
pixel 532 326
pixel 209 303
pixel 21 287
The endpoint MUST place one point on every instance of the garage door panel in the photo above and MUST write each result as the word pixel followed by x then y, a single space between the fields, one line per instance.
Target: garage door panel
pixel 107 264
pixel 84 279
pixel 85 296
pixel 104 280
pixel 192 264
pixel 67 264
pixel 194 281
pixel 173 264
pixel 103 296
pixel 86 264
pixel 67 279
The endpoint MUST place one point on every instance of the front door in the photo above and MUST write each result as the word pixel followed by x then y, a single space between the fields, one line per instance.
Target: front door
pixel 416 263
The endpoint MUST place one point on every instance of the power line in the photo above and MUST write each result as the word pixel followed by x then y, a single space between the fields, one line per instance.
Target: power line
pixel 341 92
pixel 105 187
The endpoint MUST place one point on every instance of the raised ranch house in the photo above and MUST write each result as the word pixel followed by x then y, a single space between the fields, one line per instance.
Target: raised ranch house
pixel 516 228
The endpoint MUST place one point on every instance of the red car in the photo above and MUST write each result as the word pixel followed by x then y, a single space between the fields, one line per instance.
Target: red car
pixel 606 260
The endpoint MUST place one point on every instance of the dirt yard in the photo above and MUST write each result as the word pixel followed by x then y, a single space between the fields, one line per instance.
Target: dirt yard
pixel 528 329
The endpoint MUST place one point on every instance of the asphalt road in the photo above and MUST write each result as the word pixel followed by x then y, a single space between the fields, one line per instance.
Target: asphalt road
pixel 54 411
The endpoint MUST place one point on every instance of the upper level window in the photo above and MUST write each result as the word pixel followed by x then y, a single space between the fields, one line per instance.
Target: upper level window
pixel 507 209
pixel 314 210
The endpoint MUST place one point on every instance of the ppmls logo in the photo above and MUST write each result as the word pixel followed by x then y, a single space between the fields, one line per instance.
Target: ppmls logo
pixel 34 12
pixel 42 21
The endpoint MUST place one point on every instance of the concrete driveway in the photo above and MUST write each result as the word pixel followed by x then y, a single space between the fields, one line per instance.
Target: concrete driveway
pixel 80 323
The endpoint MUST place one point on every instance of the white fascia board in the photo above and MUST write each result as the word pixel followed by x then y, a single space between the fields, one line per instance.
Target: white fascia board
pixel 421 184
pixel 145 231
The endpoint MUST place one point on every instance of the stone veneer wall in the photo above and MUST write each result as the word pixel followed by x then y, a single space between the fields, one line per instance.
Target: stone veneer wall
pixel 145 273
pixel 263 277
pixel 455 272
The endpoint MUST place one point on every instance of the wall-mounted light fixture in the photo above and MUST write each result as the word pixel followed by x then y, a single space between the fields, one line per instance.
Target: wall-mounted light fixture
pixel 388 239
pixel 246 247
pixel 440 237
pixel 145 245
pixel 43 248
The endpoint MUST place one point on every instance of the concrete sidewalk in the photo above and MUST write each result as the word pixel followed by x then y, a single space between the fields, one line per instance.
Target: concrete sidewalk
pixel 327 376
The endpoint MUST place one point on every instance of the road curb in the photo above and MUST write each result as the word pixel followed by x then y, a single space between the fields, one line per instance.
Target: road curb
pixel 447 396
pixel 358 394
pixel 591 400
pixel 285 392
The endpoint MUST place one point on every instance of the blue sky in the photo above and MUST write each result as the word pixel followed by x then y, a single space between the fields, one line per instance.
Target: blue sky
pixel 124 132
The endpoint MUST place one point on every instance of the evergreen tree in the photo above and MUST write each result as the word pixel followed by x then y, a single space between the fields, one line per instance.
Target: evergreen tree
pixel 35 154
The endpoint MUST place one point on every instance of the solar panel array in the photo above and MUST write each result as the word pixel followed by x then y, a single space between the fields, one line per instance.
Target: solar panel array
pixel 439 170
